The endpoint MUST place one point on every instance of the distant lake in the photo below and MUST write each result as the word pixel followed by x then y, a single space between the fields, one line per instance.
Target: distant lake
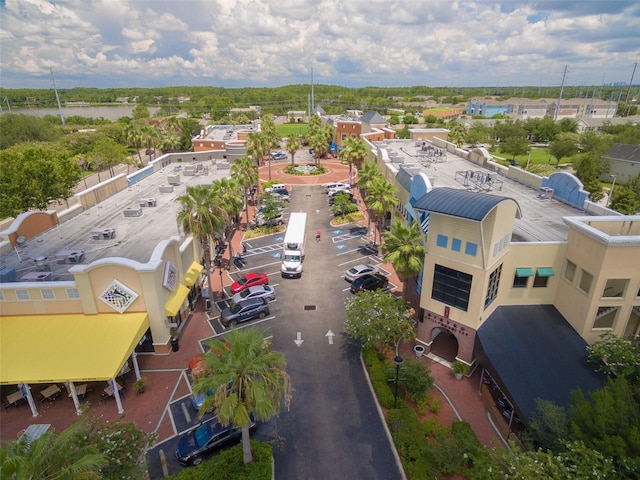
pixel 108 113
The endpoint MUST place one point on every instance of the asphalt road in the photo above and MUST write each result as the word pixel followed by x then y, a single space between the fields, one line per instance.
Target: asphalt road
pixel 332 430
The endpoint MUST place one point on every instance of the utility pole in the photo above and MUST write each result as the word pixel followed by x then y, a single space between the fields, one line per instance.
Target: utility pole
pixel 53 80
pixel 635 65
pixel 564 76
pixel 312 105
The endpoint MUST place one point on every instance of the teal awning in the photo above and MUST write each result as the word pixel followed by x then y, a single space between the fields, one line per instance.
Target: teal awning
pixel 544 272
pixel 524 272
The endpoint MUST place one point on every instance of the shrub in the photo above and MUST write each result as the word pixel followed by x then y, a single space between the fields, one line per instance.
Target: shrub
pixel 416 380
pixel 411 444
pixel 228 465
pixel 378 376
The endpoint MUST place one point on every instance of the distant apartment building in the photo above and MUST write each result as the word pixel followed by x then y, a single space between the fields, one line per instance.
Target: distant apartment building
pixel 523 108
pixel 445 113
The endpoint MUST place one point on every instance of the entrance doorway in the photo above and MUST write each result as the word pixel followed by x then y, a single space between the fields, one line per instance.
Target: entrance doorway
pixel 444 344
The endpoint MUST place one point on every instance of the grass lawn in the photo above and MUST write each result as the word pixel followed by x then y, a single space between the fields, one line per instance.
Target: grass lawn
pixel 538 155
pixel 287 129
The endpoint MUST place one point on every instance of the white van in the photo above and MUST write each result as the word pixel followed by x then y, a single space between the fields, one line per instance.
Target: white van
pixel 337 186
pixel 277 188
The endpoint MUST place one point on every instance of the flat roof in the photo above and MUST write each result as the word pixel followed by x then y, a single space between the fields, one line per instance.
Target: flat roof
pixel 135 237
pixel 541 220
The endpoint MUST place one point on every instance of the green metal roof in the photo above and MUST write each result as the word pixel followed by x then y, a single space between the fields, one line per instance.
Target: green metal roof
pixel 524 272
pixel 545 272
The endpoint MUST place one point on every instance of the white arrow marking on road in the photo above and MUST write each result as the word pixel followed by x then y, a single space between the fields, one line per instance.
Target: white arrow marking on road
pixel 330 335
pixel 299 340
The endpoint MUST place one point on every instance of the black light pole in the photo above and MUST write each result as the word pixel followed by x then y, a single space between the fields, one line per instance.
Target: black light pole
pixel 398 361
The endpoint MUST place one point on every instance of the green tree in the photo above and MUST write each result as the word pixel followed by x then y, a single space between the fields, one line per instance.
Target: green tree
pixel 403 248
pixel 106 154
pixel 614 355
pixel 202 216
pixel 140 112
pixel 293 145
pixel 246 171
pixel 53 456
pixel 229 194
pixel 549 426
pixel 247 378
pixel 342 204
pixel 33 176
pixel 381 198
pixel 565 145
pixel 568 125
pixel 624 200
pixel 477 134
pixel 17 129
pixel 133 137
pixel 378 318
pixel 354 152
pixel 268 129
pixel 257 147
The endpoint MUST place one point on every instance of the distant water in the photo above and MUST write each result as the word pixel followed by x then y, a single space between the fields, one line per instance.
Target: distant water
pixel 108 113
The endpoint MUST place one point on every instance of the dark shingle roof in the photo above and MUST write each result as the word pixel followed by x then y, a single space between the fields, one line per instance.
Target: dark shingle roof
pixel 460 203
pixel 373 118
pixel 532 352
pixel 621 151
pixel 404 179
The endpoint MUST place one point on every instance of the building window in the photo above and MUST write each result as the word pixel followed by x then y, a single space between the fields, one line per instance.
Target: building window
pixel 471 249
pixel 605 318
pixel 521 278
pixel 615 288
pixel 585 282
pixel 451 287
pixel 456 244
pixel 496 248
pixel 442 241
pixel 47 294
pixel 343 136
pixel 72 293
pixel 1 296
pixel 569 271
pixel 22 294
pixel 492 288
pixel 542 276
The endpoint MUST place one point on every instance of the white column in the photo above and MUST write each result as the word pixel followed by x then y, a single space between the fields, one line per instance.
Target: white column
pixel 136 368
pixel 26 391
pixel 74 395
pixel 116 395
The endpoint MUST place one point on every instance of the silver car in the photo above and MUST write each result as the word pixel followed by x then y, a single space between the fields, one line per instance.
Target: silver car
pixel 359 270
pixel 259 291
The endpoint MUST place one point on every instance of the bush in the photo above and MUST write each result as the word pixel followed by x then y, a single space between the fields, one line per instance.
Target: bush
pixel 411 444
pixel 416 380
pixel 228 465
pixel 378 376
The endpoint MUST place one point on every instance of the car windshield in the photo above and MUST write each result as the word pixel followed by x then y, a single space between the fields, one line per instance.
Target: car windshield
pixel 201 435
pixel 244 293
pixel 292 258
pixel 235 308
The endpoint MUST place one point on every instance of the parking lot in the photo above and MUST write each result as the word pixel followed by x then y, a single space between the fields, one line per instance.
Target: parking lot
pixel 332 410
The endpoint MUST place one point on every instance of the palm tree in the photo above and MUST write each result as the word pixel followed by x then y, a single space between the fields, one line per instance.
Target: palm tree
pixel 381 199
pixel 246 171
pixel 248 378
pixel 133 137
pixel 403 248
pixel 202 216
pixel 366 177
pixel 354 152
pixel 257 147
pixel 52 456
pixel 293 145
pixel 229 193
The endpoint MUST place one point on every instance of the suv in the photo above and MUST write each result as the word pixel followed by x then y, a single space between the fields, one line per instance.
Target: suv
pixel 244 311
pixel 337 186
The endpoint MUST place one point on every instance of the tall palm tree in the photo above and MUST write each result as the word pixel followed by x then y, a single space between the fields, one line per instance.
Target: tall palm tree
pixel 133 137
pixel 366 177
pixel 248 378
pixel 202 216
pixel 403 248
pixel 354 152
pixel 229 194
pixel 245 171
pixel 257 147
pixel 381 199
pixel 293 145
pixel 52 456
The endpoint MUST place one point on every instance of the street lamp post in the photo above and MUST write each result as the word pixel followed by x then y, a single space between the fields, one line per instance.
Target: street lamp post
pixel 611 191
pixel 398 361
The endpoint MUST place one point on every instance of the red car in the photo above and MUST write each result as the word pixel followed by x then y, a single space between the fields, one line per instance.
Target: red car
pixel 249 280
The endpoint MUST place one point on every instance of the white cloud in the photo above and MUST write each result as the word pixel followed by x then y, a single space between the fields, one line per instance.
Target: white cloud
pixel 347 42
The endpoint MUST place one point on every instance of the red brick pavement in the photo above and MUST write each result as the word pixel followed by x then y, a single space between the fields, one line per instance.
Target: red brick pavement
pixel 166 373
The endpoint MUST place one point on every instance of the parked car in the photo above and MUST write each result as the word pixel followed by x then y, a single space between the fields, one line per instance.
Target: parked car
pixel 347 196
pixel 335 191
pixel 249 280
pixel 358 271
pixel 369 281
pixel 261 221
pixel 244 311
pixel 337 185
pixel 259 291
pixel 207 438
pixel 278 156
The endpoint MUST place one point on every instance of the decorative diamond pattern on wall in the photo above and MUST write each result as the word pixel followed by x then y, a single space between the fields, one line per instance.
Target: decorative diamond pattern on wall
pixel 118 296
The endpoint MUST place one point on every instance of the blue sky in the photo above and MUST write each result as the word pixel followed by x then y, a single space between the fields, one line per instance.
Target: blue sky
pixel 354 43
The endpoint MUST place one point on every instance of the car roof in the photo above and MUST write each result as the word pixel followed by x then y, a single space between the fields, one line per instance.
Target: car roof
pixel 257 288
pixel 251 301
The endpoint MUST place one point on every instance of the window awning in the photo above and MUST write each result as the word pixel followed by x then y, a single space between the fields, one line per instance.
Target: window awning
pixel 68 348
pixel 172 307
pixel 524 272
pixel 191 275
pixel 544 272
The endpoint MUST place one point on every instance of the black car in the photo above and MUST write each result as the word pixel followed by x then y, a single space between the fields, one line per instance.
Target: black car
pixel 370 281
pixel 207 438
pixel 243 311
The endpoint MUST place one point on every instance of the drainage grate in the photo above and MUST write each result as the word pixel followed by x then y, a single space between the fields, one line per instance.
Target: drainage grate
pixel 309 307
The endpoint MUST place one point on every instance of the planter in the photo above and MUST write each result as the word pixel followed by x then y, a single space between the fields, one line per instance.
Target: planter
pixel 458 376
pixel 418 350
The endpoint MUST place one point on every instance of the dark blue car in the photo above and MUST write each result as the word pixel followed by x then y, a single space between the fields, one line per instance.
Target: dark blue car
pixel 207 438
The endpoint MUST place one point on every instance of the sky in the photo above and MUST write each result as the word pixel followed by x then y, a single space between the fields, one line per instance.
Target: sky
pixel 352 43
